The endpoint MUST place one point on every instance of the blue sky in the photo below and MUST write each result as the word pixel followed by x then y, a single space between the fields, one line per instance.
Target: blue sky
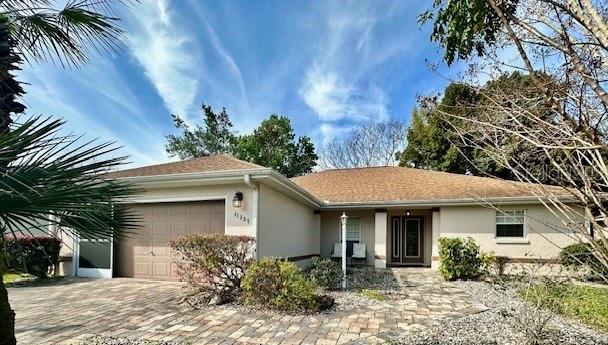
pixel 327 65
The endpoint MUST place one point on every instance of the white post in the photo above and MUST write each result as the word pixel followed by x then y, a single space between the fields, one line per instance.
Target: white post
pixel 343 219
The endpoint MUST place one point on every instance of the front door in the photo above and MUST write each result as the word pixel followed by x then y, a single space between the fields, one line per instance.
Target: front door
pixel 406 240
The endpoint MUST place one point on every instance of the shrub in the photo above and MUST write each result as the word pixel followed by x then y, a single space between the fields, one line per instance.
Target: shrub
pixel 35 255
pixel 326 273
pixel 493 264
pixel 581 254
pixel 459 258
pixel 279 285
pixel 213 264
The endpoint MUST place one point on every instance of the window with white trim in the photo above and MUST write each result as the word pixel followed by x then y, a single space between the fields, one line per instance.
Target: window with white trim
pixel 353 230
pixel 510 223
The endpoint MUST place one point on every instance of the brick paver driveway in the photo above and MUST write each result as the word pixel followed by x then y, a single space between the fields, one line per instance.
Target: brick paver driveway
pixel 132 308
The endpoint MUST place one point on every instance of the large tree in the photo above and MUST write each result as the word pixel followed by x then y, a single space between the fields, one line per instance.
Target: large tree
pixel 566 39
pixel 432 144
pixel 274 144
pixel 41 172
pixel 368 144
pixel 214 138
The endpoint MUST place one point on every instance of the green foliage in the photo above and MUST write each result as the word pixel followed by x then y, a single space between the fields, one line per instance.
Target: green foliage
pixel 433 143
pixel 216 137
pixel 273 144
pixel 44 32
pixel 374 294
pixel 581 255
pixel 459 259
pixel 326 273
pixel 33 255
pixel 493 264
pixel 213 264
pixel 279 285
pixel 589 304
pixel 43 173
pixel 465 27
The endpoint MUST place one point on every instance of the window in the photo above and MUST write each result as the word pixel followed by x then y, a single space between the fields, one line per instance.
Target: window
pixel 510 223
pixel 353 230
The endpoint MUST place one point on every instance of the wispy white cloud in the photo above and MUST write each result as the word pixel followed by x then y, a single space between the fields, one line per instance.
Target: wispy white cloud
pixel 164 51
pixel 333 99
pixel 339 85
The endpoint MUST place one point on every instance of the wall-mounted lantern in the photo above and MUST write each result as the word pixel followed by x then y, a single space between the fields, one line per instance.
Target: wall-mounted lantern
pixel 236 200
pixel 407 213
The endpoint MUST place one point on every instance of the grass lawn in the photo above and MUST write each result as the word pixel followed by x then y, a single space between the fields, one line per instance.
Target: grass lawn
pixel 12 277
pixel 586 303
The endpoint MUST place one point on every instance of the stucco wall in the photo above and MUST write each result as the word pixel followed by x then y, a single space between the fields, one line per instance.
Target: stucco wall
pixel 287 227
pixel 330 231
pixel 545 232
pixel 239 221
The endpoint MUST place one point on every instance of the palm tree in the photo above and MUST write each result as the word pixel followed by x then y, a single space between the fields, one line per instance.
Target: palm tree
pixel 45 176
pixel 36 30
pixel 41 172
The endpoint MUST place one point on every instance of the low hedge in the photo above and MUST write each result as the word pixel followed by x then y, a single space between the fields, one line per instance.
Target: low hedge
pixel 326 273
pixel 581 255
pixel 36 255
pixel 280 285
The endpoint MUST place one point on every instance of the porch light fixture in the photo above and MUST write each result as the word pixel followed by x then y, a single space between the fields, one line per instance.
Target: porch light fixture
pixel 236 200
pixel 407 212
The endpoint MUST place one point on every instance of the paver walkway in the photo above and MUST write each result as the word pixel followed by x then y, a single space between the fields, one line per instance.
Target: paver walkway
pixel 122 307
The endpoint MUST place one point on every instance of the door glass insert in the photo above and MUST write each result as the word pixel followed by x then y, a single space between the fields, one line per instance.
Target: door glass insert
pixel 412 238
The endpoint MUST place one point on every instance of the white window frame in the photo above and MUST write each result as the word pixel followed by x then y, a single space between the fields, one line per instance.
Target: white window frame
pixel 340 230
pixel 496 223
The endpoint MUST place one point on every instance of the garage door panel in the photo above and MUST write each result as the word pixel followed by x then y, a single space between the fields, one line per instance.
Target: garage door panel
pixel 148 253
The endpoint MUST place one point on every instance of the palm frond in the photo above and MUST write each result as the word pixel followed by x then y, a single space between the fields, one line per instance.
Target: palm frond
pixel 45 174
pixel 67 35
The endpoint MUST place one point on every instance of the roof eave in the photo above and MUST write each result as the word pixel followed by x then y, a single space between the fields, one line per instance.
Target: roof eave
pixel 441 202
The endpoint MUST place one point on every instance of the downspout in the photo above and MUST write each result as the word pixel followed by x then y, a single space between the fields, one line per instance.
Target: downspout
pixel 255 211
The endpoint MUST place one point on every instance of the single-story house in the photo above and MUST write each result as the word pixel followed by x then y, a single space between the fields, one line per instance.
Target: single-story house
pixel 397 213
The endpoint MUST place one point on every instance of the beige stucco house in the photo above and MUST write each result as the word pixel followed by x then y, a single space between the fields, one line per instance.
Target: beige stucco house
pixel 398 213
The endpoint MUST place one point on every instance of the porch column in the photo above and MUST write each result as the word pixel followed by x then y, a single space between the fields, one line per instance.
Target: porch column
pixel 436 232
pixel 380 239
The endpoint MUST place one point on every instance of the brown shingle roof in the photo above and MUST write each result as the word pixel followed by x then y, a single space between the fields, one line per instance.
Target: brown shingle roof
pixel 203 164
pixel 404 184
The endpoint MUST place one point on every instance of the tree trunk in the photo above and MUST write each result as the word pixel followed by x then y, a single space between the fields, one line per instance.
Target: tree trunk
pixel 7 315
pixel 10 88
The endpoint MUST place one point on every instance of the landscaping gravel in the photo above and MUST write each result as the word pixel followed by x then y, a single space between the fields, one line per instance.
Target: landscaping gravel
pixel 499 324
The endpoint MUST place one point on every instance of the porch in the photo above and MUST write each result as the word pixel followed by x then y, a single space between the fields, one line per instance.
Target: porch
pixel 392 237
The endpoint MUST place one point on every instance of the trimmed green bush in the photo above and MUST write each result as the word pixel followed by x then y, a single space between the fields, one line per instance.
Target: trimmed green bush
pixel 278 285
pixel 326 273
pixel 581 255
pixel 35 255
pixel 213 264
pixel 459 258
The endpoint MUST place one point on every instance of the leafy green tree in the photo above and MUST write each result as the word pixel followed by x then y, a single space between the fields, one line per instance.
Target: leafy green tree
pixel 273 144
pixel 430 144
pixel 215 137
pixel 46 177
pixel 433 143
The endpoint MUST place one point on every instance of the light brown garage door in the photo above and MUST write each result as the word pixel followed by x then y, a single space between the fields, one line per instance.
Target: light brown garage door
pixel 146 254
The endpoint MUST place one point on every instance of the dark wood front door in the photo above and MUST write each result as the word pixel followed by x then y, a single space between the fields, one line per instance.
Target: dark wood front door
pixel 406 240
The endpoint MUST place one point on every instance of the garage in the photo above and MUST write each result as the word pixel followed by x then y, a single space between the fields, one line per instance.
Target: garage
pixel 146 254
